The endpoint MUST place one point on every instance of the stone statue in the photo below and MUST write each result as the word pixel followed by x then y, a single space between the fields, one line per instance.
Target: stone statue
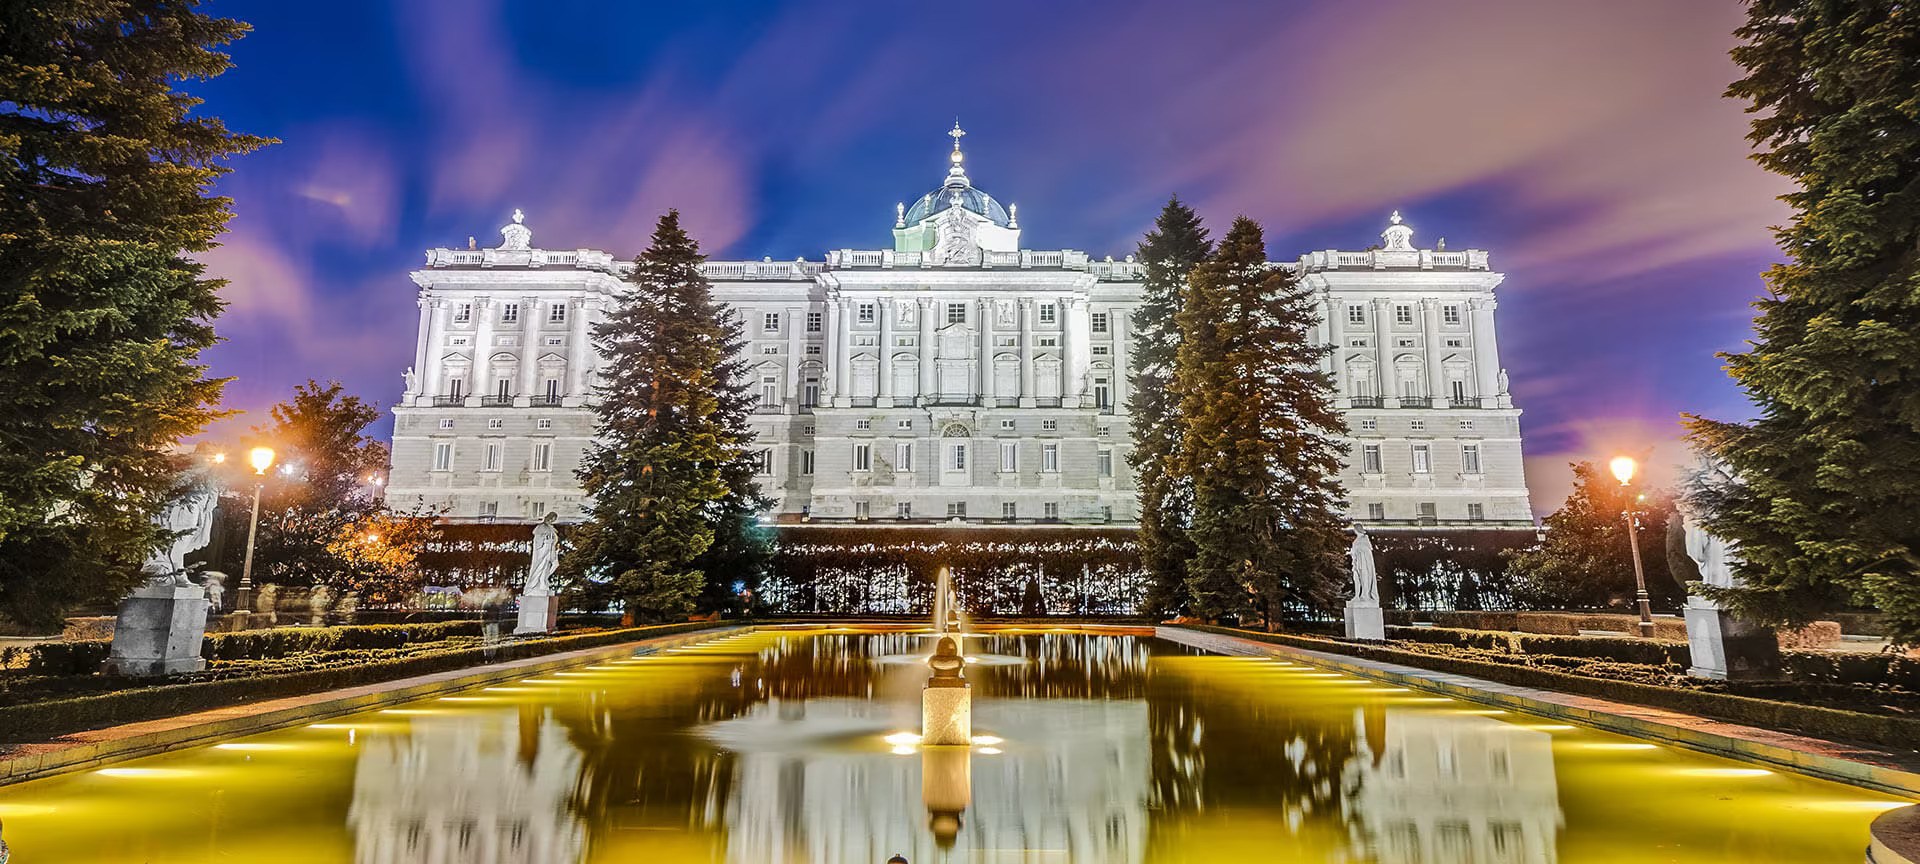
pixel 1366 580
pixel 546 557
pixel 216 585
pixel 189 519
pixel 413 380
pixel 517 236
pixel 1503 383
pixel 957 246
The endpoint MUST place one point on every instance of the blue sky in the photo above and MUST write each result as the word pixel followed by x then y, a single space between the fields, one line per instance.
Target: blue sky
pixel 1584 142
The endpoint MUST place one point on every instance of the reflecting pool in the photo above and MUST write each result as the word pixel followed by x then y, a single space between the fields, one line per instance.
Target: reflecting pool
pixel 783 747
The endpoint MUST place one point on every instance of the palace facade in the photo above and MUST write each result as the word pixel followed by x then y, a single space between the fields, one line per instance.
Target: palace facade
pixel 955 375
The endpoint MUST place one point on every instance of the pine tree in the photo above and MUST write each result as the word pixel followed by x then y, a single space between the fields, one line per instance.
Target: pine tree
pixel 1586 561
pixel 1258 437
pixel 106 176
pixel 1826 482
pixel 742 547
pixel 1169 252
pixel 659 467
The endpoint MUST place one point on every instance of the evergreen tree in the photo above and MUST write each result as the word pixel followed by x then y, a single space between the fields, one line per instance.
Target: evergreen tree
pixel 106 175
pixel 1258 437
pixel 742 547
pixel 1586 561
pixel 1169 252
pixel 1826 482
pixel 670 436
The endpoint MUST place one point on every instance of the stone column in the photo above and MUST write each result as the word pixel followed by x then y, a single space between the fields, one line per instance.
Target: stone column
pixel 431 351
pixel 529 350
pixel 1384 372
pixel 579 353
pixel 1336 311
pixel 1486 353
pixel 796 352
pixel 985 366
pixel 830 355
pixel 1026 353
pixel 842 357
pixel 419 351
pixel 884 386
pixel 482 351
pixel 1436 374
pixel 1075 336
pixel 1117 319
pixel 929 378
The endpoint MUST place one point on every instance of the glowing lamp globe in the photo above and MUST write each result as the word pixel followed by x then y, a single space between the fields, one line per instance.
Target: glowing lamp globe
pixel 261 458
pixel 1623 467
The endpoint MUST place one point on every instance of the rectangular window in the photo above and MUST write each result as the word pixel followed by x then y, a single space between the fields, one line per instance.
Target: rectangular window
pixel 1006 425
pixel 1100 351
pixel 810 393
pixel 904 509
pixel 806 463
pixel 1106 512
pixel 1370 459
pixel 1106 463
pixel 814 321
pixel 1049 425
pixel 543 423
pixel 1450 314
pixel 1047 341
pixel 865 311
pixel 862 425
pixel 956 509
pixel 496 423
pixel 1417 425
pixel 1422 459
pixel 903 425
pixel 552 388
pixel 1049 457
pixel 542 456
pixel 557 313
pixel 1456 343
pixel 1099 322
pixel 956 313
pixel 1466 425
pixel 1048 313
pixel 493 457
pixel 763 461
pixel 1356 314
pixel 769 390
pixel 1009 510
pixel 903 457
pixel 1376 511
pixel 1470 458
pixel 859 509
pixel 1459 390
pixel 456 388
pixel 1050 510
pixel 813 350
pixel 806 430
pixel 1428 511
pixel 446 422
pixel 556 341
pixel 1009 457
pixel 509 313
pixel 443 456
pixel 863 457
pixel 1476 512
pixel 490 509
pixel 462 313
pixel 503 387
pixel 1402 314
pixel 770 322
pixel 1102 393
pixel 957 457
pixel 1369 424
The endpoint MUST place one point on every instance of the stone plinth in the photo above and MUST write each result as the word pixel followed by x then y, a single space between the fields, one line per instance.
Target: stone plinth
pixel 1366 621
pixel 946 716
pixel 159 631
pixel 539 613
pixel 1723 646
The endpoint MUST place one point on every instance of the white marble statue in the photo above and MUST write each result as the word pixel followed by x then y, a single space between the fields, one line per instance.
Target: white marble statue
pixel 1712 554
pixel 1366 579
pixel 189 519
pixel 412 379
pixel 546 558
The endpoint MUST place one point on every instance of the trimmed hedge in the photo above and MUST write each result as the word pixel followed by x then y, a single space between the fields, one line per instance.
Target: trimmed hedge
pixel 1853 669
pixel 85 656
pixel 1620 649
pixel 1883 730
pixel 46 719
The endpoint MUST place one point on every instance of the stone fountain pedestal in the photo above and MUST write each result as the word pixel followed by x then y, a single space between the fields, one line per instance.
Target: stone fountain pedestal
pixel 159 630
pixel 1366 620
pixel 946 705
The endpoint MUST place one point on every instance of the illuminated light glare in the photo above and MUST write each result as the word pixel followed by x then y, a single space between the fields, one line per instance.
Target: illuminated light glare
pixel 903 750
pixel 412 711
pixel 1623 467
pixel 899 739
pixel 990 751
pixel 149 773
pixel 1548 727
pixel 1612 745
pixel 252 746
pixel 1724 772
pixel 988 740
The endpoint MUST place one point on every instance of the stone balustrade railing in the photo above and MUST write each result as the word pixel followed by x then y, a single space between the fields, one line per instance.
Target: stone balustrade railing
pixel 1380 259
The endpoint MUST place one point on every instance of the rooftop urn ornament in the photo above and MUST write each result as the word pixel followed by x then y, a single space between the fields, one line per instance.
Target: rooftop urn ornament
pixel 1398 236
pixel 1013 215
pixel 516 235
pixel 899 215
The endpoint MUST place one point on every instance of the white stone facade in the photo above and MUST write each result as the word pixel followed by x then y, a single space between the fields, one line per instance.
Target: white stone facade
pixel 955 375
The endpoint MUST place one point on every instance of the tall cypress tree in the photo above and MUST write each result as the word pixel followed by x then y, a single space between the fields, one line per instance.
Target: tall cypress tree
pixel 1169 252
pixel 657 471
pixel 1258 439
pixel 106 173
pixel 1826 482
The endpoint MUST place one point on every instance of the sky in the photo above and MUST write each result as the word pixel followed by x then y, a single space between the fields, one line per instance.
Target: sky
pixel 1586 143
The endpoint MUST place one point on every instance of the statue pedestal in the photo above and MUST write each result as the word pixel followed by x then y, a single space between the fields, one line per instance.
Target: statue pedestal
pixel 159 631
pixel 1366 620
pixel 946 716
pixel 539 613
pixel 1723 646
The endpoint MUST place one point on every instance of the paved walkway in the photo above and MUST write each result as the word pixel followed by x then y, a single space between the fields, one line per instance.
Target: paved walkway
pixel 1891 771
pixel 81 750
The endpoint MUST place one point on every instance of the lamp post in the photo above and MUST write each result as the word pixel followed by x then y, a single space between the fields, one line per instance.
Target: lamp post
pixel 261 458
pixel 1623 468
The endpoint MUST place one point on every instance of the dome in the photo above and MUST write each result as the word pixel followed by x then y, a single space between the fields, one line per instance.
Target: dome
pixel 972 199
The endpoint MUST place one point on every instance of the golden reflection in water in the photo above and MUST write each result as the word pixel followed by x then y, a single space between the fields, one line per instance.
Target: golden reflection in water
pixel 784 747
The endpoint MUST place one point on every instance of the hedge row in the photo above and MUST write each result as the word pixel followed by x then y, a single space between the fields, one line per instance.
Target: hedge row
pixel 85 656
pixel 41 720
pixel 1830 723
pixel 1881 671
pixel 1619 649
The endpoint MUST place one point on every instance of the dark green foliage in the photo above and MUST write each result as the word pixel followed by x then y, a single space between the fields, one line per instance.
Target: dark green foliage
pixel 742 547
pixel 667 465
pixel 1258 438
pixel 851 569
pixel 1586 561
pixel 1827 480
pixel 1446 570
pixel 105 175
pixel 1169 252
pixel 1031 601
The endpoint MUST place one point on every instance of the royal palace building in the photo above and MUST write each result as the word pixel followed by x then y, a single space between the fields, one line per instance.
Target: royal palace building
pixel 953 375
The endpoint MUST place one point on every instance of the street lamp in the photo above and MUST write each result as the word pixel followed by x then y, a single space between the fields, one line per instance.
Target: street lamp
pixel 261 458
pixel 1623 467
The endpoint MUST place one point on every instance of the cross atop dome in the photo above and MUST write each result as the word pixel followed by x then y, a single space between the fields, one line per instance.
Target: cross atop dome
pixel 956 175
